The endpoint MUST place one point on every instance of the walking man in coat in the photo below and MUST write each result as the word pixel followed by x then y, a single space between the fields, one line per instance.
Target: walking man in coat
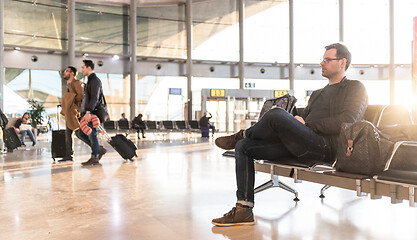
pixel 71 103
pixel 93 95
pixel 309 137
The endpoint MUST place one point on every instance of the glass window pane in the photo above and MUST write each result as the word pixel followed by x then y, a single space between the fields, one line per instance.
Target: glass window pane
pixel 41 24
pixel 155 102
pixel 161 32
pixel 101 29
pixel 367 31
pixel 266 33
pixel 316 24
pixel 23 84
pixel 404 12
pixel 215 30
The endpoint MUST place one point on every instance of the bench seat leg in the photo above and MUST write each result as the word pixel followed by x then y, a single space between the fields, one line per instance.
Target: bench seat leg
pixel 411 196
pixel 275 182
pixel 323 189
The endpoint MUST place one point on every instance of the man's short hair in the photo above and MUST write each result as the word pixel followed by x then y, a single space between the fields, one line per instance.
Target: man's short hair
pixel 341 52
pixel 73 70
pixel 89 63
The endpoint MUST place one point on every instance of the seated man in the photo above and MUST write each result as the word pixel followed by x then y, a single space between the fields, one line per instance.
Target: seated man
pixel 205 122
pixel 23 126
pixel 123 118
pixel 312 136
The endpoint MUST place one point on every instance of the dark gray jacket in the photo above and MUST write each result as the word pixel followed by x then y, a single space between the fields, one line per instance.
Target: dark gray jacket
pixel 347 106
pixel 93 94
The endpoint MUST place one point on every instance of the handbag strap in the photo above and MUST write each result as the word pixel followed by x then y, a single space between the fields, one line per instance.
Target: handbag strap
pixel 104 99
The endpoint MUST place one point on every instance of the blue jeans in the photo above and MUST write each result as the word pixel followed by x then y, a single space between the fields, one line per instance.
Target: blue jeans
pixel 91 140
pixel 23 134
pixel 278 135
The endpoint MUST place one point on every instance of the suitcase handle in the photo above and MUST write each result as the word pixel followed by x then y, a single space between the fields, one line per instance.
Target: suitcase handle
pixel 103 132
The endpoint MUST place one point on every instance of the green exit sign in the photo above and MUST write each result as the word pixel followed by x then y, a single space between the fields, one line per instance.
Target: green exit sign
pixel 249 85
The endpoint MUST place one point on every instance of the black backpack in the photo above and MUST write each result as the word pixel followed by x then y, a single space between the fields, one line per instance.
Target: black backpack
pixel 286 102
pixel 362 149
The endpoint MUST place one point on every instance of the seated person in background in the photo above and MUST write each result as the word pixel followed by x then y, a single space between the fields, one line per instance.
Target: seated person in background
pixel 204 122
pixel 139 125
pixel 23 127
pixel 123 118
pixel 311 136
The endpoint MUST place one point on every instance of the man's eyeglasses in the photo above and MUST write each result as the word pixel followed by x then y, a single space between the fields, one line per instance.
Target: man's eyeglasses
pixel 327 60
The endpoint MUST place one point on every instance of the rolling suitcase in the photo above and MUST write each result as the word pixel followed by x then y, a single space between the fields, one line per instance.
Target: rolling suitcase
pixel 58 144
pixel 58 149
pixel 11 139
pixel 125 147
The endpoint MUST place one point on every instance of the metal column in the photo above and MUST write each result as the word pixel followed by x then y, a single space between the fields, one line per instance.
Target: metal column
pixel 1 54
pixel 132 44
pixel 391 53
pixel 241 43
pixel 71 32
pixel 189 27
pixel 227 114
pixel 291 29
pixel 341 23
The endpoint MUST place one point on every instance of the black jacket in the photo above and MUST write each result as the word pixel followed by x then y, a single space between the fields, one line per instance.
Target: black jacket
pixel 204 121
pixel 138 123
pixel 93 94
pixel 347 106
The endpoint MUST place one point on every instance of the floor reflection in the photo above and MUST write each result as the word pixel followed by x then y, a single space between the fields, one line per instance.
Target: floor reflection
pixel 172 190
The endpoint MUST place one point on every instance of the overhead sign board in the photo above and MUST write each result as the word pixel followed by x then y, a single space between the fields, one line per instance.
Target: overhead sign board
pixel 217 92
pixel 280 93
pixel 175 91
pixel 249 85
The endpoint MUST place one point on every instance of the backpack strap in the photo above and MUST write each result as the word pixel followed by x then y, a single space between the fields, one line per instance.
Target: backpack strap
pixel 72 87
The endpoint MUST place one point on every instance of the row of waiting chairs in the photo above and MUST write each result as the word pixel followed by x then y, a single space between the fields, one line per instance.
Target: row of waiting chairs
pixel 165 125
pixel 398 181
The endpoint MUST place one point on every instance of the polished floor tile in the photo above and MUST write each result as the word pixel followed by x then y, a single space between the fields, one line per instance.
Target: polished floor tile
pixel 172 190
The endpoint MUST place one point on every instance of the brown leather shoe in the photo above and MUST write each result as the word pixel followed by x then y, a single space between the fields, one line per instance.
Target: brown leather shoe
pixel 91 161
pixel 239 215
pixel 102 152
pixel 229 142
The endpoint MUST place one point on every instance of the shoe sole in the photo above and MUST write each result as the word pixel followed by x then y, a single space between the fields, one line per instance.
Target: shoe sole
pixel 234 224
pixel 65 160
pixel 91 164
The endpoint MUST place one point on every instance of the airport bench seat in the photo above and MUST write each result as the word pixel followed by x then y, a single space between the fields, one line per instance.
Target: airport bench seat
pixel 123 125
pixel 110 125
pixel 181 125
pixel 394 183
pixel 151 125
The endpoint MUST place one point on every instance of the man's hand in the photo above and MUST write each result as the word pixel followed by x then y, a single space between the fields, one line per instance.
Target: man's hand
pixel 300 119
pixel 87 116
